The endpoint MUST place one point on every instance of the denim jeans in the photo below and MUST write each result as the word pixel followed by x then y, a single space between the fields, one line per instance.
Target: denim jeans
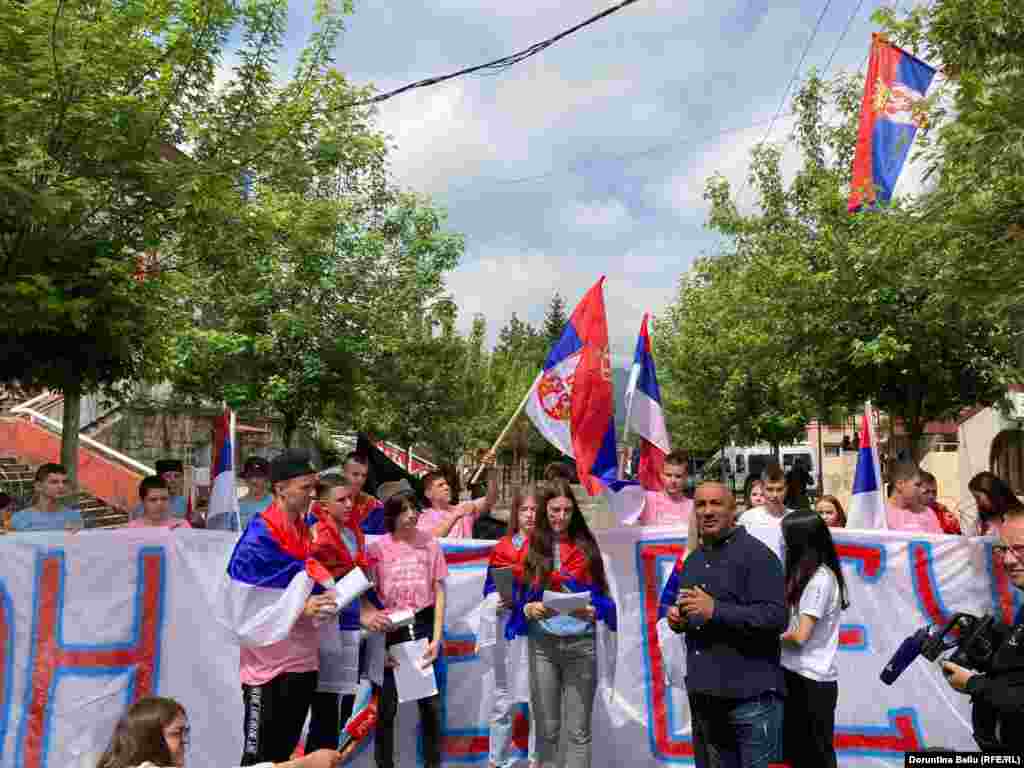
pixel 503 708
pixel 563 682
pixel 736 733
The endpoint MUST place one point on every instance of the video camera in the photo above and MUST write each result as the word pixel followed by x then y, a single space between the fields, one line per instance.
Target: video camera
pixel 973 641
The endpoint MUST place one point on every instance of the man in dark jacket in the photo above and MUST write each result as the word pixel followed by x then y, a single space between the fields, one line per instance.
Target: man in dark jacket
pixel 728 596
pixel 997 695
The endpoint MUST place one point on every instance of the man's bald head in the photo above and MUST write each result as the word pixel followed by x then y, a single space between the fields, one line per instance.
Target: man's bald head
pixel 715 507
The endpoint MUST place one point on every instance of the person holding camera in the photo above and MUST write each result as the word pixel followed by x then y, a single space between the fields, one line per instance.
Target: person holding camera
pixel 997 695
pixel 728 596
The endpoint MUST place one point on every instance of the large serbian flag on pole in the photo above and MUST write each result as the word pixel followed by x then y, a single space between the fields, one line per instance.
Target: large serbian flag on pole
pixel 572 402
pixel 645 415
pixel 896 82
pixel 867 505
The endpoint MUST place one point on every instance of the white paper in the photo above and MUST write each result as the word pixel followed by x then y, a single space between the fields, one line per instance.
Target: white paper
pixel 401 618
pixel 352 587
pixel 505 581
pixel 412 680
pixel 566 602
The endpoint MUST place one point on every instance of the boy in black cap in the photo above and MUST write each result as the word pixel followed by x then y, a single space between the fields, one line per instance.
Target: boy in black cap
pixel 256 474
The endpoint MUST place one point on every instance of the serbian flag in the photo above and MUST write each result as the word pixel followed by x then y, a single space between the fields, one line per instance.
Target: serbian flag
pixel 224 496
pixel 572 402
pixel 867 506
pixel 895 82
pixel 645 416
pixel 268 579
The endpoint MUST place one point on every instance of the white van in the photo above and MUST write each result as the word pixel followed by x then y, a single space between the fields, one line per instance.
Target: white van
pixel 744 465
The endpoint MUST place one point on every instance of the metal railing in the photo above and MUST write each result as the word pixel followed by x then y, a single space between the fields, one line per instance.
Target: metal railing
pixel 36 417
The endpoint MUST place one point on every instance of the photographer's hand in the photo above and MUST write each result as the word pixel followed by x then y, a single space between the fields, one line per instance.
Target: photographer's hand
pixel 957 676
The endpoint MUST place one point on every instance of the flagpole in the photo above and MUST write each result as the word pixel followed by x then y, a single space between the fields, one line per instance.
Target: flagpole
pixel 234 472
pixel 511 421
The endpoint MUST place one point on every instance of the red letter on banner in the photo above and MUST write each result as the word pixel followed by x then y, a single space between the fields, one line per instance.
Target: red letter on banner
pixel 50 655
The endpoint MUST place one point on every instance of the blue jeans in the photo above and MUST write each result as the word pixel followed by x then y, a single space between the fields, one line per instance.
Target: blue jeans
pixel 503 707
pixel 736 733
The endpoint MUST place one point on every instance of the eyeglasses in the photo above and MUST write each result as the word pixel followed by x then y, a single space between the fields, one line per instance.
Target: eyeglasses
pixel 1000 550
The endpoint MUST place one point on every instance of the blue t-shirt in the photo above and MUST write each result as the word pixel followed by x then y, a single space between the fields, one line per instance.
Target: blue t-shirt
pixel 32 519
pixel 247 510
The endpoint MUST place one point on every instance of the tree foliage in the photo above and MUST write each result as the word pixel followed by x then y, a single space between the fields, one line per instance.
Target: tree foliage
pixel 808 307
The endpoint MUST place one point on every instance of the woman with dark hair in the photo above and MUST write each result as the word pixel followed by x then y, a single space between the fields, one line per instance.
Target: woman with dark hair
pixel 409 569
pixel 831 511
pixel 563 651
pixel 509 552
pixel 994 499
pixel 153 733
pixel 815 596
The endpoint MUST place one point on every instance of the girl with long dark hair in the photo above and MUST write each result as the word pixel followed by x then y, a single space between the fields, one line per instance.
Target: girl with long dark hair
pixel 994 499
pixel 815 596
pixel 563 650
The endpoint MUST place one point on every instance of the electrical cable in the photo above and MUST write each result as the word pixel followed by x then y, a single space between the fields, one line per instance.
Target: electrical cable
pixel 498 65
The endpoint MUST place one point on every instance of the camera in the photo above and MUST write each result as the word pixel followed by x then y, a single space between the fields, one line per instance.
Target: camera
pixel 975 639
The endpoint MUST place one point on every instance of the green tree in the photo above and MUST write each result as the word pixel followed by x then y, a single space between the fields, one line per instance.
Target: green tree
pixel 555 320
pixel 809 307
pixel 122 135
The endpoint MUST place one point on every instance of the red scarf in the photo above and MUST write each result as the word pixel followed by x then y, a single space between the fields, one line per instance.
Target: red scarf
pixel 362 505
pixel 575 566
pixel 329 548
pixel 291 535
pixel 505 554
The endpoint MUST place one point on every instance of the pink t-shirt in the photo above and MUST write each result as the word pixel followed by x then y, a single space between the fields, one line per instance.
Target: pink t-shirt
pixel 299 652
pixel 901 519
pixel 430 518
pixel 406 573
pixel 170 522
pixel 660 509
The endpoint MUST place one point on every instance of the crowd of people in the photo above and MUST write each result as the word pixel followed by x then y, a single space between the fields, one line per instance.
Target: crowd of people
pixel 757 596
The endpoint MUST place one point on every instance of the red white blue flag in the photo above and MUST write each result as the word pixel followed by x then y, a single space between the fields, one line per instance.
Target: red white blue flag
pixel 867 505
pixel 572 402
pixel 646 417
pixel 224 496
pixel 896 82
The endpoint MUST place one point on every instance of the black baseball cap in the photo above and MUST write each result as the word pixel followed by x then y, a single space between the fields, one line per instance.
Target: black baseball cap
pixel 255 466
pixel 291 463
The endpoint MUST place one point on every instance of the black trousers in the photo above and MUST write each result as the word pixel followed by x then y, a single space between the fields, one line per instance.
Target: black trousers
pixel 328 714
pixel 273 717
pixel 430 707
pixel 809 722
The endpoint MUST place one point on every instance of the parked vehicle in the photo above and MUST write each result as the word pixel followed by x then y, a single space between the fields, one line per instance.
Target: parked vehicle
pixel 743 465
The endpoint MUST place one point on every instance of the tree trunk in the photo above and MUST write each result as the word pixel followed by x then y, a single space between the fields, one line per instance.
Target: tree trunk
pixel 69 438
pixel 290 425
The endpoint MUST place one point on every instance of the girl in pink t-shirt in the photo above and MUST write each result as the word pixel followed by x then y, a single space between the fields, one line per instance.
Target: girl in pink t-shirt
pixel 408 568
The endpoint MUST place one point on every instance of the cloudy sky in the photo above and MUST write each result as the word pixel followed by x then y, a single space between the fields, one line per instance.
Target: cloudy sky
pixel 589 158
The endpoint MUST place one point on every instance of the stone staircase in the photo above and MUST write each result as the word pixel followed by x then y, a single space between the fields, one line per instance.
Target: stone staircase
pixel 17 479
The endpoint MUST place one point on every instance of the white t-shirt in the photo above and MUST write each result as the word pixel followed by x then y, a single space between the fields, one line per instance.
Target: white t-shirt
pixel 816 659
pixel 766 528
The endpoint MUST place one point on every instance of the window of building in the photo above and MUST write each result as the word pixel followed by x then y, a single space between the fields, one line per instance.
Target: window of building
pixel 833 450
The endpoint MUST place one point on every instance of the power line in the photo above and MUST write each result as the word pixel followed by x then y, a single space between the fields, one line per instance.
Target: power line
pixel 842 37
pixel 625 157
pixel 789 87
pixel 498 65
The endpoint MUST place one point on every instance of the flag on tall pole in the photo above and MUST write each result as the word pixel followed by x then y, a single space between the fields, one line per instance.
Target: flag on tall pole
pixel 895 83
pixel 644 414
pixel 867 505
pixel 572 402
pixel 224 496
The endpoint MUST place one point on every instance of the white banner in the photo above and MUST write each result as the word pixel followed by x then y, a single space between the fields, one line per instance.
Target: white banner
pixel 90 621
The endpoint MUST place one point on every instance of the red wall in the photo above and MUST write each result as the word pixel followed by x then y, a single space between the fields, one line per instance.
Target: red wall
pixel 97 474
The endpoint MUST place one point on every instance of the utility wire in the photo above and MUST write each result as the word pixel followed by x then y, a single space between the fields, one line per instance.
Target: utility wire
pixel 498 65
pixel 789 87
pixel 842 37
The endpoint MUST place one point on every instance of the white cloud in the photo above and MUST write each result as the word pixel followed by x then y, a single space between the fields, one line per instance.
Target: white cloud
pixel 608 218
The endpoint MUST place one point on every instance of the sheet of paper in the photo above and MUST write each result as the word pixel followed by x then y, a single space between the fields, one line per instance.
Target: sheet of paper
pixel 401 618
pixel 351 587
pixel 412 680
pixel 566 602
pixel 505 582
